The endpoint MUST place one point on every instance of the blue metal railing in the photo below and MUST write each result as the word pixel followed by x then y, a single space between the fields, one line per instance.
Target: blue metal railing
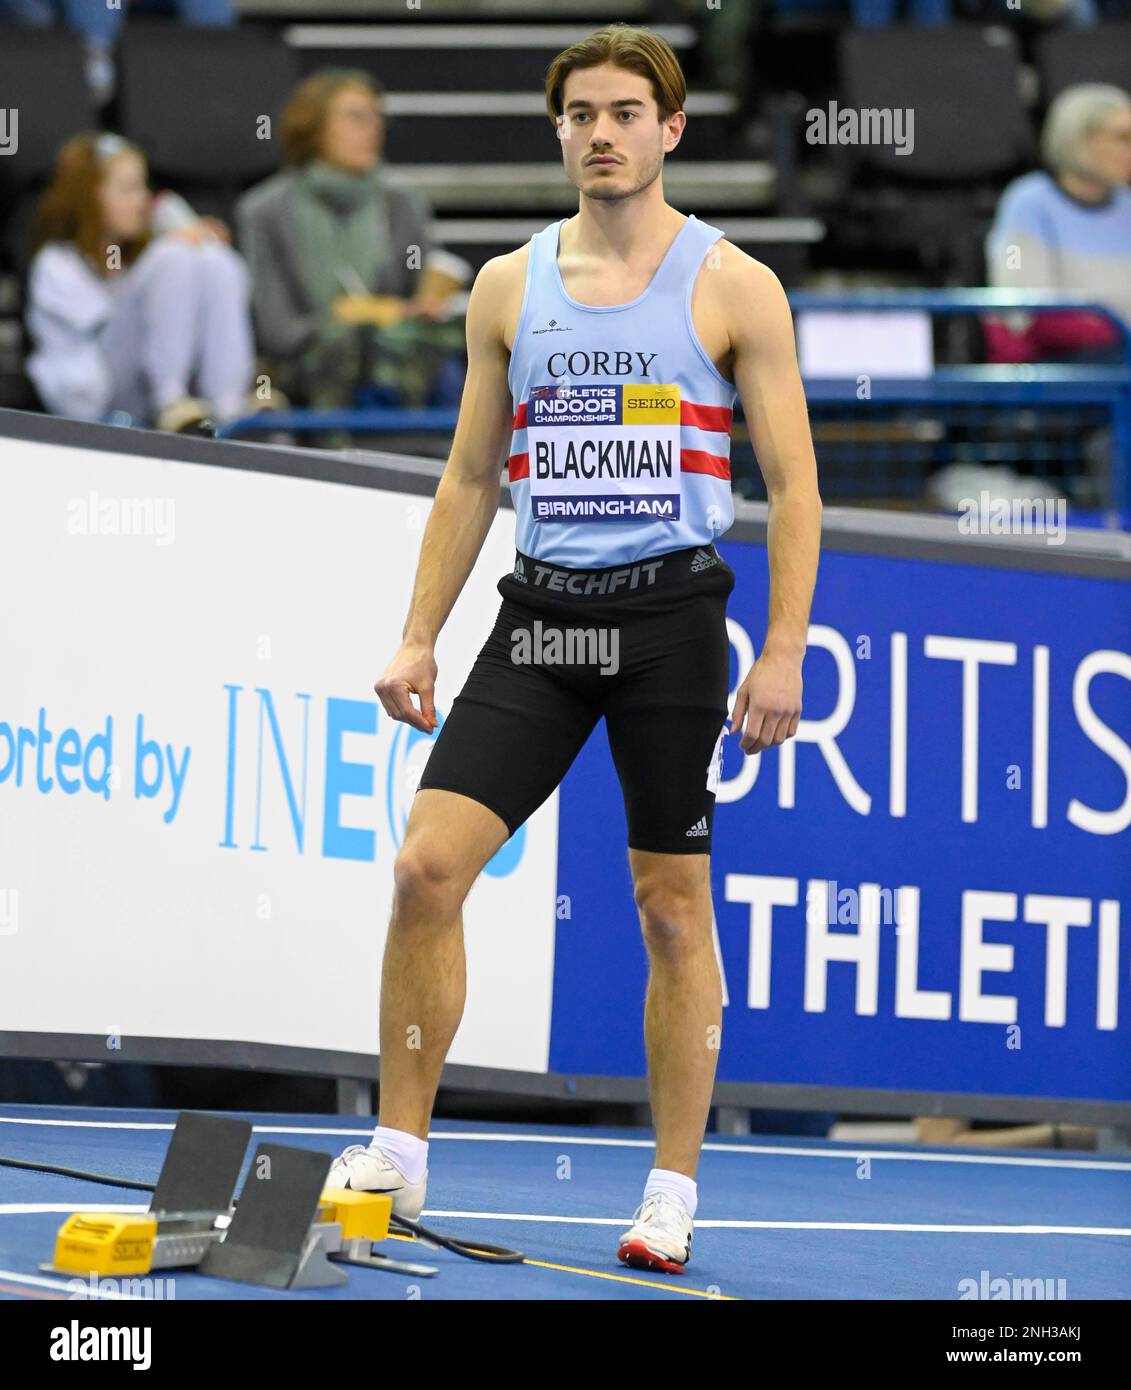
pixel 988 385
pixel 381 420
pixel 995 385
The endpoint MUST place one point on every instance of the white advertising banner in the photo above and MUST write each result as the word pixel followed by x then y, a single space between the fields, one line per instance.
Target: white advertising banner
pixel 200 795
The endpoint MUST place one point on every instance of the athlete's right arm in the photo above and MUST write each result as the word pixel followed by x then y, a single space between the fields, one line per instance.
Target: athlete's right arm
pixel 467 496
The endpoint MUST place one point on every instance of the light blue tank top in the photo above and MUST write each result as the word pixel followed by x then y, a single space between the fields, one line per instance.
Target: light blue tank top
pixel 621 444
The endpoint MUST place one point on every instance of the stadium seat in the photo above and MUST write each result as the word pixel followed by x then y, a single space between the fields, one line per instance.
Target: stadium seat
pixel 195 99
pixel 42 79
pixel 1101 53
pixel 971 132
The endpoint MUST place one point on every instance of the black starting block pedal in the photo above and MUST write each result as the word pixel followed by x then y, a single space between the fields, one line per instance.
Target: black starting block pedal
pixel 270 1240
pixel 202 1164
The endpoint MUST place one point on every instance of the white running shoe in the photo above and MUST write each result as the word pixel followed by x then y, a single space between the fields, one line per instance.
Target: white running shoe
pixel 363 1170
pixel 660 1235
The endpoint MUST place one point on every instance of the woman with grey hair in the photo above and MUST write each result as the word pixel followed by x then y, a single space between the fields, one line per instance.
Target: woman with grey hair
pixel 1067 227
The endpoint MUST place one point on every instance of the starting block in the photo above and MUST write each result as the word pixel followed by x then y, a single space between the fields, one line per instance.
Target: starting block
pixel 290 1232
pixel 286 1230
pixel 195 1187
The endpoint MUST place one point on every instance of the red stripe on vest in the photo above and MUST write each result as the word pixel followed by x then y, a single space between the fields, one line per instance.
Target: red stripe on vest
pixel 706 417
pixel 699 461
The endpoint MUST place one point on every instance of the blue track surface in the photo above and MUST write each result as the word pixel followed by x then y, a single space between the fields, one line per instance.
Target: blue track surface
pixel 775 1217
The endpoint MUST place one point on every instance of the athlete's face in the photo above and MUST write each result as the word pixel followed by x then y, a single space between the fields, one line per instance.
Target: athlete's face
pixel 613 142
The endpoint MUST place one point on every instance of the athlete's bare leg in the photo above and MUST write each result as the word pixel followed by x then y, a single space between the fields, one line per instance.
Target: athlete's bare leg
pixel 683 1008
pixel 447 841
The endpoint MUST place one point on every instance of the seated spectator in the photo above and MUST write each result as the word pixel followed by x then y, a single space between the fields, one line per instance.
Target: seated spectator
pixel 1067 227
pixel 125 322
pixel 349 290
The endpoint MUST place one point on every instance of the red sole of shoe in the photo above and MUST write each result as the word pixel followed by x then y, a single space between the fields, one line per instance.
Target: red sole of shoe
pixel 637 1255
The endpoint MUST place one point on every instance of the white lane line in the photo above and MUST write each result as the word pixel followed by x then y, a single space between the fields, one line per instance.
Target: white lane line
pixel 34 1208
pixel 802 1225
pixel 766 1150
pixel 786 1151
pixel 89 1124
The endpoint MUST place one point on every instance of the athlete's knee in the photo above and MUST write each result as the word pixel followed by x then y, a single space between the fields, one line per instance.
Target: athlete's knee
pixel 674 919
pixel 426 879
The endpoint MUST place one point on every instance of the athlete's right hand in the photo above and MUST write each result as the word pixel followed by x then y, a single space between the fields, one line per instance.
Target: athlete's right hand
pixel 411 672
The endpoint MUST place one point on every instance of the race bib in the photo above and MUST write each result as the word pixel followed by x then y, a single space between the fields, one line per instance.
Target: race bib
pixel 604 453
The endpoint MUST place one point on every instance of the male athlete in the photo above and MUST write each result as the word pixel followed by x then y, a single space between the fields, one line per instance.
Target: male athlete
pixel 603 361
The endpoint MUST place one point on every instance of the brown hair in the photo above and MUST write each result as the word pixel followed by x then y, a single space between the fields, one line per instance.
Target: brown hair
pixel 69 209
pixel 636 50
pixel 305 113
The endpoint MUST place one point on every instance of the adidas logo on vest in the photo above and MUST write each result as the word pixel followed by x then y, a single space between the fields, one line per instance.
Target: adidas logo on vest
pixel 700 827
pixel 703 560
pixel 519 571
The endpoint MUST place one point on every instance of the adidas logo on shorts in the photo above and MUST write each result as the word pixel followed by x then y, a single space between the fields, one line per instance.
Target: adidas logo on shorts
pixel 700 827
pixel 519 571
pixel 703 560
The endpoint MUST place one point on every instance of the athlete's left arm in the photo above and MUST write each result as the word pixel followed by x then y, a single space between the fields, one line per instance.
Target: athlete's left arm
pixel 773 400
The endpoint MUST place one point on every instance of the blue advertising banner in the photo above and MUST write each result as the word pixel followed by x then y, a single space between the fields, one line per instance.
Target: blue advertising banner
pixel 929 887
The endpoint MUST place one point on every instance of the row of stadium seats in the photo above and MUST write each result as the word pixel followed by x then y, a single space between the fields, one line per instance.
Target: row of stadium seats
pixel 195 99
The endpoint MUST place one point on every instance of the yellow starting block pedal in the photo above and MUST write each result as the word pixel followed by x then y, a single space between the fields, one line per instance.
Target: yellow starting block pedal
pixel 113 1243
pixel 105 1243
pixel 361 1215
pixel 361 1218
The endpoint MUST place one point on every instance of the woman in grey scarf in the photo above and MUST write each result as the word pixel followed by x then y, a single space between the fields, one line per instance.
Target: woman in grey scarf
pixel 338 256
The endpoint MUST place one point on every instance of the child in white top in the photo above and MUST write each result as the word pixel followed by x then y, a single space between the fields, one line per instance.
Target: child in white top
pixel 126 323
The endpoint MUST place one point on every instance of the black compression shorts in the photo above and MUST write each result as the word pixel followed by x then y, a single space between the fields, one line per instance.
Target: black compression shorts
pixel 645 645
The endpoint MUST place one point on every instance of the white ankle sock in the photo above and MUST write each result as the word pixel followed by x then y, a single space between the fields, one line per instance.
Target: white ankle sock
pixel 409 1153
pixel 678 1184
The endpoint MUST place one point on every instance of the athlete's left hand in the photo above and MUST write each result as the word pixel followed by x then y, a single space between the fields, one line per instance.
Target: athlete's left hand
pixel 769 700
